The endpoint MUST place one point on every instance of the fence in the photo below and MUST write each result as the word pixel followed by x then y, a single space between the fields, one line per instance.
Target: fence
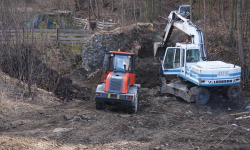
pixel 99 25
pixel 45 35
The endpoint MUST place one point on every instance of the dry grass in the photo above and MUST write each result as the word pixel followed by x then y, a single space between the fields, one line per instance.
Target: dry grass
pixel 14 96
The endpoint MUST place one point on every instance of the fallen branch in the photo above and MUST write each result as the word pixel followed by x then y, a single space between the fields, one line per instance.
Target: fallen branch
pixel 227 135
pixel 241 113
pixel 239 118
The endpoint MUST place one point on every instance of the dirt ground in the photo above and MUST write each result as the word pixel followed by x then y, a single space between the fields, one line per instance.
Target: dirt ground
pixel 162 121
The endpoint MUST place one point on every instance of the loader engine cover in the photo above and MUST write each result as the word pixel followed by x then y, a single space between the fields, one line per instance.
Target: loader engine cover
pixel 116 82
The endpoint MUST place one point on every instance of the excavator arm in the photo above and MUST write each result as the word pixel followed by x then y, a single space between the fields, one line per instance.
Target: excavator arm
pixel 185 25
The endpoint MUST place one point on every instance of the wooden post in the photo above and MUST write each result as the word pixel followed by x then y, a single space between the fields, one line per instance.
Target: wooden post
pixel 32 36
pixel 23 35
pixel 103 24
pixel 57 36
pixel 205 40
pixel 89 16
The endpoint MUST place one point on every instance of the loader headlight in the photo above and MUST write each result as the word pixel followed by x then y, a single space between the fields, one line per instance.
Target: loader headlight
pixel 129 97
pixel 98 94
pixel 113 95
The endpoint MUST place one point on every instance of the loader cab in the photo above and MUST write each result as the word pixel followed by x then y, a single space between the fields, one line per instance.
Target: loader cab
pixel 115 61
pixel 180 58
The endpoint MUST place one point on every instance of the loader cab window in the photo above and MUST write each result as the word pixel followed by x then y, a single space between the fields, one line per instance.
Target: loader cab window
pixel 172 58
pixel 122 62
pixel 108 62
pixel 192 55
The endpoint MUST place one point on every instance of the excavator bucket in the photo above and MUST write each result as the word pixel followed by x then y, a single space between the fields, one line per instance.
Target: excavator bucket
pixel 159 51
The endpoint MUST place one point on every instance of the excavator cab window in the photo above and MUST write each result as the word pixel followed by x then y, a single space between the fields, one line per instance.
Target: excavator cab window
pixel 172 58
pixel 184 8
pixel 183 57
pixel 192 55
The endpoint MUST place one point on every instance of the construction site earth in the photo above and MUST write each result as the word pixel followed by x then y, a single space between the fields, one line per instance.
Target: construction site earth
pixel 162 121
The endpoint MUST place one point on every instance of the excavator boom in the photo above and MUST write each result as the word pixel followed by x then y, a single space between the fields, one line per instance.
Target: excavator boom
pixel 185 25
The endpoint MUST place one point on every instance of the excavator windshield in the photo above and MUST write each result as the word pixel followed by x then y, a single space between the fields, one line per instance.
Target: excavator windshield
pixel 184 8
pixel 192 55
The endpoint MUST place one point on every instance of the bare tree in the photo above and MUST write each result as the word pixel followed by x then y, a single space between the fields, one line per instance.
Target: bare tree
pixel 239 28
pixel 122 12
pixel 205 27
pixel 210 12
pixel 112 6
pixel 219 5
pixel 199 9
pixel 92 8
pixel 103 4
pixel 231 22
pixel 135 16
pixel 19 54
pixel 97 9
pixel 222 9
pixel 191 12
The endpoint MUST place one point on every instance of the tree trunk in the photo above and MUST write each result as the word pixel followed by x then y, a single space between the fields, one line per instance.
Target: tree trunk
pixel 78 4
pixel 235 6
pixel 219 1
pixel 240 43
pixel 122 12
pixel 199 9
pixel 97 9
pixel 152 10
pixel 113 9
pixel 222 9
pixel 191 11
pixel 210 15
pixel 247 15
pixel 140 4
pixel 103 4
pixel 148 10
pixel 249 55
pixel 205 46
pixel 92 9
pixel 159 8
pixel 135 16
pixel 243 5
pixel 231 23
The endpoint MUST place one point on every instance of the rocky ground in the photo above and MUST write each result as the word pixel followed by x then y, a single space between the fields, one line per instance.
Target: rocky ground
pixel 162 121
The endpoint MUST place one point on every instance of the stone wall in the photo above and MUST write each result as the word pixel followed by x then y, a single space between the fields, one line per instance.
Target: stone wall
pixel 93 52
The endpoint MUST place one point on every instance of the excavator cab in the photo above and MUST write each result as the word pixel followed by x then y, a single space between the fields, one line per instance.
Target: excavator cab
pixel 176 59
pixel 184 11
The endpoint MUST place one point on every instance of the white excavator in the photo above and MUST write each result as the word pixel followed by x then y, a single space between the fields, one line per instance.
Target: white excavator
pixel 188 61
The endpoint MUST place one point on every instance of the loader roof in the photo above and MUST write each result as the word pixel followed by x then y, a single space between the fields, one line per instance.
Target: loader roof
pixel 124 53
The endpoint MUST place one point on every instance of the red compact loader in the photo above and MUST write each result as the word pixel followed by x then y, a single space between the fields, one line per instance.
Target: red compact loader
pixel 118 81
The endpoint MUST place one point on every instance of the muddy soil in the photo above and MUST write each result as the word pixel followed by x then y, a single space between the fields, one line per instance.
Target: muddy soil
pixel 162 121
